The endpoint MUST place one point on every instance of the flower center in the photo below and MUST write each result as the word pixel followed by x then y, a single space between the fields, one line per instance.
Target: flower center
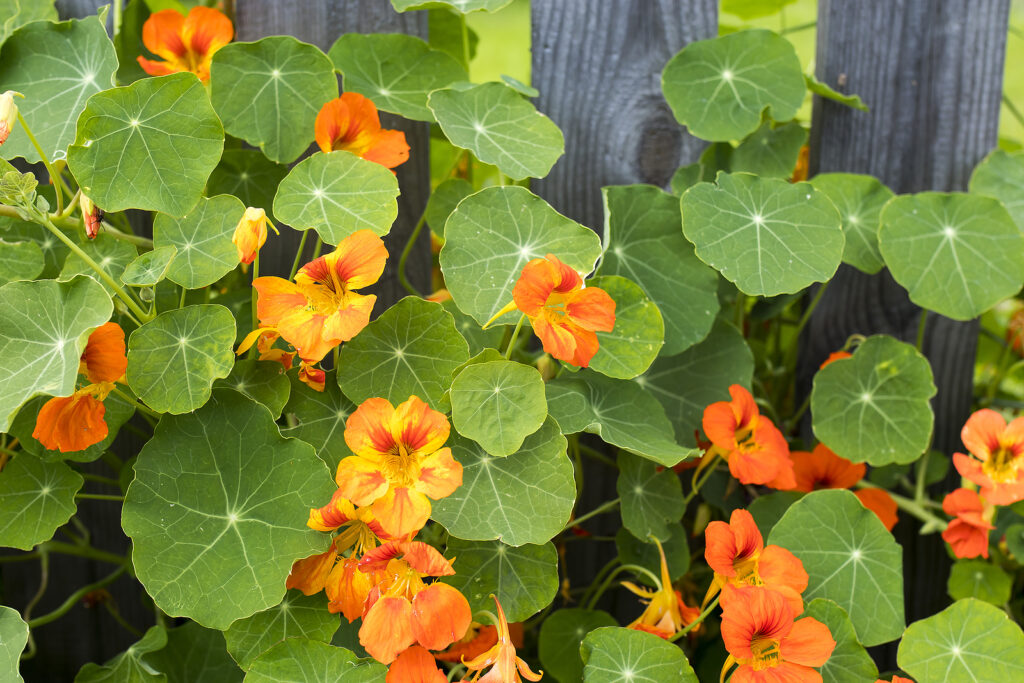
pixel 746 569
pixel 1001 466
pixel 766 653
pixel 401 467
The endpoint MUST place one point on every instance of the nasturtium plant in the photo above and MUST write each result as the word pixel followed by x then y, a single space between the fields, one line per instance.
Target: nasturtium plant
pixel 296 616
pixel 860 199
pixel 524 578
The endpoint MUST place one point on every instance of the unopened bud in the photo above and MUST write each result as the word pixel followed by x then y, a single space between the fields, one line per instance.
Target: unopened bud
pixel 8 115
pixel 250 234
pixel 92 216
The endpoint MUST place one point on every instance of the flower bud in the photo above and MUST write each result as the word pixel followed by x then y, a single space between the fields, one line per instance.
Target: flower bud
pixel 92 215
pixel 312 376
pixel 250 234
pixel 8 115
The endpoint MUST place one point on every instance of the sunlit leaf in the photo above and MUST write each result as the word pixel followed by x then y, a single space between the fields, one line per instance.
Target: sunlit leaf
pixel 443 200
pixel 54 251
pixel 498 404
pixel 297 616
pixel 652 497
pixel 860 199
pixel 300 659
pixel 262 381
pixel 559 641
pixel 36 497
pixel 13 638
pixel 110 254
pixel 621 655
pixel 20 261
pixel 129 667
pixel 1001 175
pixel 202 239
pixel 463 6
pixel 524 579
pixel 20 12
pixel 752 9
pixel 769 151
pixel 149 268
pixel 638 335
pixel 979 579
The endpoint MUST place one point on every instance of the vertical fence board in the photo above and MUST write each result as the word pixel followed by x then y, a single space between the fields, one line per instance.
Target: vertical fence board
pixel 931 71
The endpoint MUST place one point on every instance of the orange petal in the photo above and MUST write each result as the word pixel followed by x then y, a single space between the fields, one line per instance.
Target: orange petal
pixel 834 356
pixel 981 432
pixel 304 330
pixel 161 34
pixel 331 123
pixel 71 423
pixel 586 347
pixel 440 616
pixel 360 259
pixel 415 665
pixel 205 31
pixel 719 425
pixel 277 298
pixel 387 628
pixel 962 502
pixel 402 511
pixel 417 426
pixel 970 469
pixel 778 568
pixel 535 284
pixel 426 560
pixel 331 516
pixel 309 575
pixel 966 540
pixel 881 503
pixel 250 234
pixel 592 309
pixel 810 643
pixel 751 612
pixel 368 429
pixel 557 339
pixel 104 355
pixel 388 148
pixel 440 475
pixel 360 480
pixel 311 376
pixel 349 320
pixel 365 118
pixel 155 68
pixel 347 588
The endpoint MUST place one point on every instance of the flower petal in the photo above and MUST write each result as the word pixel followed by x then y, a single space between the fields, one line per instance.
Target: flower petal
pixel 360 259
pixel 592 309
pixel 277 299
pixel 368 429
pixel 104 355
pixel 388 148
pixel 440 616
pixel 310 574
pixel 161 34
pixel 205 31
pixel 402 511
pixel 387 628
pixel 809 643
pixel 535 284
pixel 332 122
pixel 881 503
pixel 71 423
pixel 360 480
pixel 420 428
pixel 557 339
pixel 981 432
pixel 415 665
pixel 440 475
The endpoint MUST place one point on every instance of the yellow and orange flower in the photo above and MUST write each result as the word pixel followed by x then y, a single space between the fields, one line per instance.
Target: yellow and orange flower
pixel 92 216
pixel 666 613
pixel 250 234
pixel 265 345
pixel 967 533
pixel 415 665
pixel 402 610
pixel 478 639
pixel 738 556
pixel 321 309
pixel 73 423
pixel 185 43
pixel 895 679
pixel 823 469
pixel 351 123
pixel 762 637
pixel 312 376
pixel 309 574
pixel 998 463
pixel 506 666
pixel 399 463
pixel 755 449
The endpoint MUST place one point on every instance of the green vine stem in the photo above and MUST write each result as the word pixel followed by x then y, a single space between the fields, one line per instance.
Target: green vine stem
pixel 298 255
pixel 402 278
pixel 81 551
pixel 99 496
pixel 921 325
pixel 918 510
pixel 600 510
pixel 139 406
pixel 515 335
pixel 636 569
pixel 75 597
pixel 696 622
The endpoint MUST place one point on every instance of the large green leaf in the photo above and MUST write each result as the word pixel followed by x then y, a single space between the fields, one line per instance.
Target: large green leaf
pixel 268 93
pixel 769 151
pixel 622 413
pixel 492 234
pixel 129 667
pixel 13 638
pixel 463 6
pixel 968 641
pixel 297 616
pixel 524 579
pixel 860 199
pixel 410 350
pixel 194 654
pixel 621 655
pixel 875 406
pixel 57 66
pixel 44 326
pixel 719 88
pixel 117 411
pixel 688 383
pixel 20 261
pixel 979 579
pixel 109 253
pixel 174 358
pixel 337 194
pixel 765 235
pixel 498 404
pixel 54 251
pixel 318 418
pixel 262 381
pixel 652 497
pixel 248 175
pixel 217 511
pixel 634 343
pixel 203 240
pixel 150 145
pixel 560 637
pixel 36 497
pixel 1001 175
pixel 956 254
pixel 300 659
pixel 394 70
pixel 524 498
pixel 20 12
pixel 850 662
pixel 500 127
pixel 850 559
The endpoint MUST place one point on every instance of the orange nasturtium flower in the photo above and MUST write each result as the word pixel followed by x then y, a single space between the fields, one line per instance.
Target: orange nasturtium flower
pixel 351 123
pixel 321 309
pixel 666 613
pixel 73 423
pixel 755 449
pixel 415 665
pixel 251 234
pixel 737 554
pixel 402 610
pixel 565 315
pixel 895 679
pixel 834 356
pixel 507 667
pixel 478 639
pixel 770 647
pixel 881 503
pixel 399 464
pixel 998 463
pixel 823 469
pixel 185 43
pixel 967 534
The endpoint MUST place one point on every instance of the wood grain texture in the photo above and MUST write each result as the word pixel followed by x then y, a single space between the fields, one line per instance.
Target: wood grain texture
pixel 598 68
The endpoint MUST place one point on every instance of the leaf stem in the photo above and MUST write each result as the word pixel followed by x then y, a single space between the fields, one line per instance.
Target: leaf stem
pixel 139 405
pixel 75 597
pixel 698 482
pixel 916 510
pixel 82 551
pixel 413 236
pixel 298 254
pixel 44 580
pixel 515 335
pixel 54 177
pixel 255 298
pixel 600 510
pixel 696 622
pixel 98 496
pixel 921 325
pixel 636 569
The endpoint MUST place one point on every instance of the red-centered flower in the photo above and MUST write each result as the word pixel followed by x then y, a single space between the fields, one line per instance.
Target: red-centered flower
pixel 399 463
pixel 738 556
pixel 8 115
pixel 755 449
pixel 250 234
pixel 823 469
pixel 265 345
pixel 351 123
pixel 185 43
pixel 666 614
pixel 478 639
pixel 881 503
pixel 770 647
pixel 415 665
pixel 506 666
pixel 967 534
pixel 402 610
pixel 312 376
pixel 998 463
pixel 321 309
pixel 92 216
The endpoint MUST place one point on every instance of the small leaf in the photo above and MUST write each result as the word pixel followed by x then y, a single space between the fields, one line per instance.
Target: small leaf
pixel 195 654
pixel 560 637
pixel 36 497
pixel 1001 175
pixel 860 199
pixel 300 659
pixel 318 418
pixel 262 381
pixel 54 251
pixel 21 12
pixel 652 497
pixel 109 253
pixel 524 579
pixel 621 655
pixel 297 616
pixel 478 338
pixel 150 268
pixel 13 639
pixel 850 662
pixel 978 579
pixel 498 404
pixel 443 201
pixel 128 667
pixel 768 510
pixel 248 175
pixel 202 239
pixel 634 343
pixel 824 90
pixel 770 151
pixel 20 261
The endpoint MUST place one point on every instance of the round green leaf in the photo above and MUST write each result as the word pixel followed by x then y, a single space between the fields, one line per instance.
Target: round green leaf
pixel 1001 175
pixel 196 655
pixel 559 641
pixel 443 201
pixel 262 381
pixel 248 175
pixel 652 497
pixel 300 659
pixel 631 347
pixel 860 199
pixel 150 145
pixel 20 12
pixel 217 511
pixel 769 151
pixel 955 254
pixel 644 553
pixel 875 406
pixel 478 338
pixel 768 510
pixel 318 418
pixel 44 326
pixel 36 497
pixel 129 665
pixel 117 411
pixel 13 639
pixel 57 67
pixel 297 616
pixel 174 358
pixel 150 268
pixel 109 253
pixel 688 383
pixel 622 655
pixel 979 579
pixel 622 413
pixel 394 70
pixel 968 641
pixel 462 6
pixel 765 235
pixel 524 498
pixel 719 88
pixel 492 234
pixel 203 240
pixel 268 93
pixel 410 350
pixel 850 662
pixel 337 194
pixel 54 251
pixel 644 243
pixel 525 579
pixel 20 261
pixel 500 127
pixel 850 558
pixel 498 404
